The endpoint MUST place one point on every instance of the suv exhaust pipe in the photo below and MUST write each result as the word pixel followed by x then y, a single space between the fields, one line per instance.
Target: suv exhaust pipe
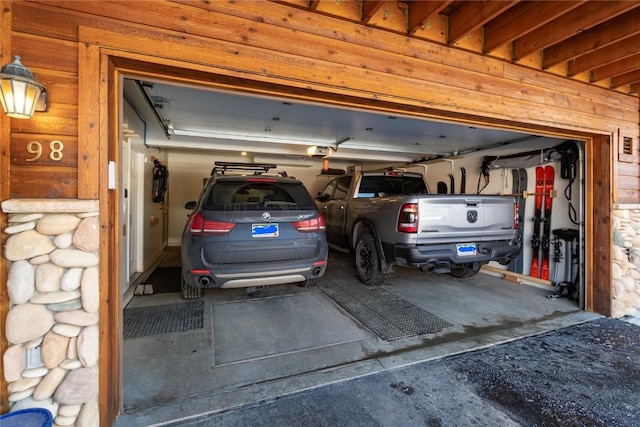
pixel 316 271
pixel 204 281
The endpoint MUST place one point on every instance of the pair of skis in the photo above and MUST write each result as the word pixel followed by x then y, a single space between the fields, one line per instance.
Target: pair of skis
pixel 540 242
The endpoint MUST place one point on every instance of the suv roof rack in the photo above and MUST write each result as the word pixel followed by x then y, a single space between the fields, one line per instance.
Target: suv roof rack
pixel 257 168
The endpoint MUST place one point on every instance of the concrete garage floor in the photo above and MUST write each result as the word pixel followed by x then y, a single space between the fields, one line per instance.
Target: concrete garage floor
pixel 287 339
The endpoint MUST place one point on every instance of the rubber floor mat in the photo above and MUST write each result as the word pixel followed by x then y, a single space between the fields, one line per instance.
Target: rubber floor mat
pixel 385 314
pixel 163 319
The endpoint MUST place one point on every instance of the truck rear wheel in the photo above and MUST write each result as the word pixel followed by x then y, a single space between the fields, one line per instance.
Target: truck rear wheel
pixel 462 272
pixel 368 260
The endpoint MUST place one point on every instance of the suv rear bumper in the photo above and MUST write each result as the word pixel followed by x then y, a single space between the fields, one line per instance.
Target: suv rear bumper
pixel 208 278
pixel 424 255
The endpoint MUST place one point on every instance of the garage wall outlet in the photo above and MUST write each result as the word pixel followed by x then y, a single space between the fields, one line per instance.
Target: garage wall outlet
pixel 34 357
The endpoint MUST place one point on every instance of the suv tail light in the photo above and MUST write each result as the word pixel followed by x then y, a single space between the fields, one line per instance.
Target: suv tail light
pixel 203 227
pixel 310 225
pixel 516 216
pixel 408 218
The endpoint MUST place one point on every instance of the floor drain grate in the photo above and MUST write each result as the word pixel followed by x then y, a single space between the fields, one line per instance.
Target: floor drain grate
pixel 163 319
pixel 385 314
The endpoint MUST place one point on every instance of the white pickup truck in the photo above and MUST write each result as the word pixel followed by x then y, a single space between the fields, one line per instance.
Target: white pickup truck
pixel 389 218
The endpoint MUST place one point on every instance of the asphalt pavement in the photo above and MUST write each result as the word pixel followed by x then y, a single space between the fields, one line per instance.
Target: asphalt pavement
pixel 582 375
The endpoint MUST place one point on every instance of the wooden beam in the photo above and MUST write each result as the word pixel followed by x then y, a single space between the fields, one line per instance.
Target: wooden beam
pixel 370 8
pixel 631 78
pixel 420 12
pixel 568 24
pixel 598 37
pixel 604 56
pixel 473 15
pixel 617 68
pixel 521 19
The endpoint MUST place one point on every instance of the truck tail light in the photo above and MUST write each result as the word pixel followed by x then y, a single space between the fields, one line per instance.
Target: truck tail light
pixel 199 226
pixel 516 216
pixel 408 218
pixel 310 225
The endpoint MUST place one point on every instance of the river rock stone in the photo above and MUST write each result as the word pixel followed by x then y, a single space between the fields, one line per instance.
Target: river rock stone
pixel 90 290
pixel 55 297
pixel 78 387
pixel 21 282
pixel 14 397
pixel 40 259
pixel 76 317
pixel 87 235
pixel 71 364
pixel 69 410
pixel 27 244
pixel 22 384
pixel 73 258
pixel 63 241
pixel 20 227
pixel 89 415
pixel 72 351
pixel 54 349
pixel 29 217
pixel 27 322
pixel 35 372
pixel 64 421
pixel 64 306
pixel 49 384
pixel 67 330
pixel 48 277
pixel 88 346
pixel 53 225
pixel 14 362
pixel 71 279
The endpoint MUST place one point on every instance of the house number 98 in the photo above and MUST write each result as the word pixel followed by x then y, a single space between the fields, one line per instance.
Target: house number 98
pixel 55 150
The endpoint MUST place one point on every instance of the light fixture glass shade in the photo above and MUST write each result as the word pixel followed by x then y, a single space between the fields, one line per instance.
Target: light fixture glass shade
pixel 19 91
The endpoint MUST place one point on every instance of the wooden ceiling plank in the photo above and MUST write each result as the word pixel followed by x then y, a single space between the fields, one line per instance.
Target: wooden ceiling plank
pixel 632 78
pixel 612 31
pixel 473 15
pixel 580 19
pixel 421 11
pixel 520 19
pixel 617 68
pixel 370 8
pixel 601 57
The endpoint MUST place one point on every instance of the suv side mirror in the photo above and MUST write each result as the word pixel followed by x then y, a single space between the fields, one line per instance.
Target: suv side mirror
pixel 191 205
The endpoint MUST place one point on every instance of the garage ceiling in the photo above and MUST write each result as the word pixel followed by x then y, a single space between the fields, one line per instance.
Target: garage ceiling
pixel 199 118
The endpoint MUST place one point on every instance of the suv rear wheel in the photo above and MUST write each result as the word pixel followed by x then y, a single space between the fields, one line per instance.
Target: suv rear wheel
pixel 190 292
pixel 368 260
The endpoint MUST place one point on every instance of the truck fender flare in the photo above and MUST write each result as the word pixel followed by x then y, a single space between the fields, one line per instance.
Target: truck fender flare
pixel 361 226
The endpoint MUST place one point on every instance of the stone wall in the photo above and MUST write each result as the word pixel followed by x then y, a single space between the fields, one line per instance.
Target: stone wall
pixel 626 260
pixel 52 324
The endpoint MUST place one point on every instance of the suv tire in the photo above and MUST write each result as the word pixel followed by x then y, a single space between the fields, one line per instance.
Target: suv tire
pixel 368 260
pixel 190 292
pixel 309 282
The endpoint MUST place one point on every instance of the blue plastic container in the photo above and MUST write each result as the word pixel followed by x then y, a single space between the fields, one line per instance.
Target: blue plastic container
pixel 33 417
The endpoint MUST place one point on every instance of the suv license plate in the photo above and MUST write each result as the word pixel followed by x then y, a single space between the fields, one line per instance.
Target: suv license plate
pixel 466 249
pixel 264 230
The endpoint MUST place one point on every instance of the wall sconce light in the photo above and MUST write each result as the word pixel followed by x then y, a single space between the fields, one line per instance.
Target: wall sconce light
pixel 20 93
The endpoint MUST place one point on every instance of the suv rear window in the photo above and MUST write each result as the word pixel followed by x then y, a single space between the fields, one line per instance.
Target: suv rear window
pixel 258 195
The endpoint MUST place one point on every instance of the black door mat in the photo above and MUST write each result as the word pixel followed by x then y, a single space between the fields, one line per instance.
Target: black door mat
pixel 385 314
pixel 163 319
pixel 165 279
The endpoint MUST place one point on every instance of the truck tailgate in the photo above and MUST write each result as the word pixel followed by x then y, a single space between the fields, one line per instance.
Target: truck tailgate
pixel 465 218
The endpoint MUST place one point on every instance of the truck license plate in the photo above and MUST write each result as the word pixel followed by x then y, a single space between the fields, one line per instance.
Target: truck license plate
pixel 264 230
pixel 466 249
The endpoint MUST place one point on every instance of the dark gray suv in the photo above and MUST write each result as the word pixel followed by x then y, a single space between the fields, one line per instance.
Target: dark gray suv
pixel 251 229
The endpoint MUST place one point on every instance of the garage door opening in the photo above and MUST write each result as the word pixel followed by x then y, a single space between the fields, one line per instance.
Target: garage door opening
pixel 229 343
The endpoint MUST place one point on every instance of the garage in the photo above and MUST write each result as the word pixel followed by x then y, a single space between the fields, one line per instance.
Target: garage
pixel 289 338
pixel 396 84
